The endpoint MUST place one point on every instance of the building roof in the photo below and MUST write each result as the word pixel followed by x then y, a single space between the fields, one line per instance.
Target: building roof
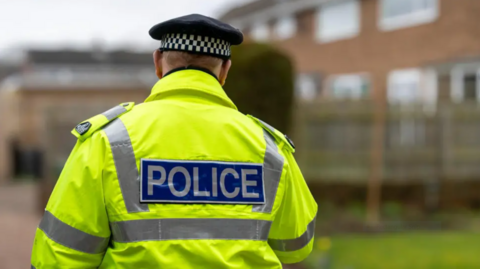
pixel 243 10
pixel 444 67
pixel 70 69
pixel 6 70
pixel 267 9
pixel 72 57
pixel 48 78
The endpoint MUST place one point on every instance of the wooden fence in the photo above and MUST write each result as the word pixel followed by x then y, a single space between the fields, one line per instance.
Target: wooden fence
pixel 420 143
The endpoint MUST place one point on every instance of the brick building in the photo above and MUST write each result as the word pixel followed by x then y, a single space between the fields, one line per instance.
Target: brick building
pixel 402 51
pixel 79 83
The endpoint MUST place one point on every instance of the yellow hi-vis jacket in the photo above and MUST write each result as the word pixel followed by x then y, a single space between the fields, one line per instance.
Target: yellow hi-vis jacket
pixel 183 180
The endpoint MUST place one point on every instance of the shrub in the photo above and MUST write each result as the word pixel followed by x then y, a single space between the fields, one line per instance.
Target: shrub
pixel 261 83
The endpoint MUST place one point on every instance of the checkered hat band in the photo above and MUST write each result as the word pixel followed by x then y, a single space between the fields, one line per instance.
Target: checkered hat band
pixel 196 43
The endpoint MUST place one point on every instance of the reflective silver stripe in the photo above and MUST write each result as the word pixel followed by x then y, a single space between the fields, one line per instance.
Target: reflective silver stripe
pixel 114 112
pixel 297 243
pixel 189 229
pixel 267 125
pixel 272 165
pixel 126 165
pixel 70 237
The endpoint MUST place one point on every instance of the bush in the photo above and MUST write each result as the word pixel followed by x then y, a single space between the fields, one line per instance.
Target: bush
pixel 261 83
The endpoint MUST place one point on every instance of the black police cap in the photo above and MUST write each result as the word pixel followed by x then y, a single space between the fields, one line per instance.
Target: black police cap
pixel 197 34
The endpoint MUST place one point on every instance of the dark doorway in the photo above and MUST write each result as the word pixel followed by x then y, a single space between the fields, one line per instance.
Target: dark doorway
pixel 470 88
pixel 25 163
pixel 15 154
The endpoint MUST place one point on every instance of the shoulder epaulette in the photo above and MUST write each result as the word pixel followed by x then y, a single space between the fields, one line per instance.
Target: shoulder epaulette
pixel 279 137
pixel 86 128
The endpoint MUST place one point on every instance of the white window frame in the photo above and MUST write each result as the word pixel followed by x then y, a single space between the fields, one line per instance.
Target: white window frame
pixel 405 72
pixel 263 26
pixel 407 20
pixel 282 34
pixel 430 91
pixel 411 132
pixel 332 78
pixel 321 37
pixel 311 80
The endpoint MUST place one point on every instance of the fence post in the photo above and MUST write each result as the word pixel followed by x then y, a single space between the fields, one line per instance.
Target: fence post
pixel 433 184
pixel 374 191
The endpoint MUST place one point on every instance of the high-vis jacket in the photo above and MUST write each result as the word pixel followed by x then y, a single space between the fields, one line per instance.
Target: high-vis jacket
pixel 183 180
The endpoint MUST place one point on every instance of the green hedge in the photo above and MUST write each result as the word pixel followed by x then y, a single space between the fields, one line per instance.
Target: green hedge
pixel 261 83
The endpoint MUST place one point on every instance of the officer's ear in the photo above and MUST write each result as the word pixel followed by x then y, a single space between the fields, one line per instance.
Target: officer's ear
pixel 157 60
pixel 224 71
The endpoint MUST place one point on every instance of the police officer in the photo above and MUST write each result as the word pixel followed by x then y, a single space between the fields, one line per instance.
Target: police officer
pixel 183 180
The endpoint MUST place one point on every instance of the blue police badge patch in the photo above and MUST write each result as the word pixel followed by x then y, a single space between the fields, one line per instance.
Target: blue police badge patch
pixel 197 182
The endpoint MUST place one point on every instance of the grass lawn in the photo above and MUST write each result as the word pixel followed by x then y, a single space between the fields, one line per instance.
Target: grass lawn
pixel 415 250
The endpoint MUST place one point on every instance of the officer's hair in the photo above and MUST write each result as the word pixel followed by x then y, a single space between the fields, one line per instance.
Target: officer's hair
pixel 176 59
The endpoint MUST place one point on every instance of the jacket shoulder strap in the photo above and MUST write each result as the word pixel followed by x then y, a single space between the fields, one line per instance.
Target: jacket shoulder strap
pixel 88 127
pixel 280 138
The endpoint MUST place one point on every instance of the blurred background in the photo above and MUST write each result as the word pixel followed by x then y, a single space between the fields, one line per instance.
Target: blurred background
pixel 380 96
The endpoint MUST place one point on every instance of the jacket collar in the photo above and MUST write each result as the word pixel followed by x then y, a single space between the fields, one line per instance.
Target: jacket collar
pixel 190 80
pixel 191 67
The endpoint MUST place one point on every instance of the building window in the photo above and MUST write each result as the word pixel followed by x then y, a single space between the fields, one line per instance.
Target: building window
pixel 470 88
pixel 465 82
pixel 395 14
pixel 338 21
pixel 353 87
pixel 404 86
pixel 307 86
pixel 286 27
pixel 260 32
